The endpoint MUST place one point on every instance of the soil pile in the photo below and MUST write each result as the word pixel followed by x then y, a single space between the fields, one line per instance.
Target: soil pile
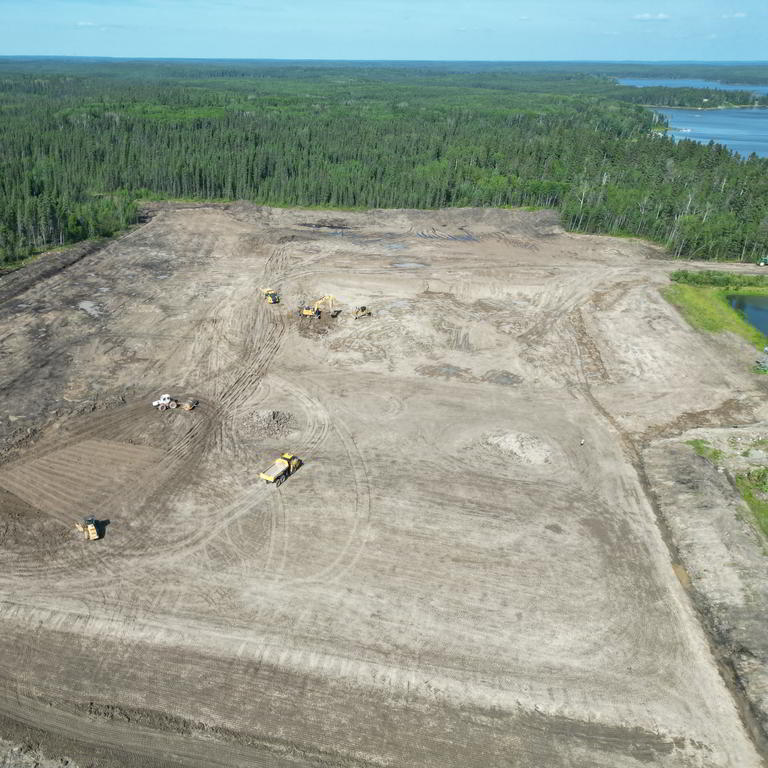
pixel 520 447
pixel 272 423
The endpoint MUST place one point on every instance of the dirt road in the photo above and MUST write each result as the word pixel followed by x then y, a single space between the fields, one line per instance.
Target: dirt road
pixel 467 570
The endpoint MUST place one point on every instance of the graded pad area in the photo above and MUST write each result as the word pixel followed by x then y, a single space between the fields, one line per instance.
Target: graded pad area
pixel 466 570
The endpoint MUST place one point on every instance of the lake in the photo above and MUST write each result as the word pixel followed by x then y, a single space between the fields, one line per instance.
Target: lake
pixel 754 309
pixel 743 130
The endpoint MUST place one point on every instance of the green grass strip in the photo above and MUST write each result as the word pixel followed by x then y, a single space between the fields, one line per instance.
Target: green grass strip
pixel 718 278
pixel 703 448
pixel 752 486
pixel 706 308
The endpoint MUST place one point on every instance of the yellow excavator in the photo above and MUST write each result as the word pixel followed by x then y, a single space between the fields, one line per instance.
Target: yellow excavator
pixel 316 310
pixel 271 296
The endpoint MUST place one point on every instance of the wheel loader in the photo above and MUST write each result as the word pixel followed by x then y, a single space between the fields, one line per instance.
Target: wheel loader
pixel 271 296
pixel 166 401
pixel 281 469
pixel 89 529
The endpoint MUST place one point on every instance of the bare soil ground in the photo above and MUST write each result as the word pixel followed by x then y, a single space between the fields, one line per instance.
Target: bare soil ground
pixel 721 545
pixel 452 579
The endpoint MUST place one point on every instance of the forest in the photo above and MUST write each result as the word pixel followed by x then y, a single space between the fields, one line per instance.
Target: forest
pixel 83 142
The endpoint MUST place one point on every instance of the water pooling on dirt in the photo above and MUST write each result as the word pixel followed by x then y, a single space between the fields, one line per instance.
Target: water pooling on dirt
pixel 754 309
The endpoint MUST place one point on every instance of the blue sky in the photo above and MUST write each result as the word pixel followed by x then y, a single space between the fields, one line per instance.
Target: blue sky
pixel 388 29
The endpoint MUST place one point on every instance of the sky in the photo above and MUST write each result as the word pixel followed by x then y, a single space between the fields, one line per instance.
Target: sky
pixel 486 30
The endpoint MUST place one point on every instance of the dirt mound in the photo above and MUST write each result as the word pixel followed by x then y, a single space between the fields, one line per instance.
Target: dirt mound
pixel 29 756
pixel 15 281
pixel 521 447
pixel 311 327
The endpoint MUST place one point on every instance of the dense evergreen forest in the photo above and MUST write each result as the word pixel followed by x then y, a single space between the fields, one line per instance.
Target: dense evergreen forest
pixel 81 141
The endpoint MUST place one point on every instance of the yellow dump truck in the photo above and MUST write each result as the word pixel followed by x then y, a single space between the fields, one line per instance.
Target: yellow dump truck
pixel 283 467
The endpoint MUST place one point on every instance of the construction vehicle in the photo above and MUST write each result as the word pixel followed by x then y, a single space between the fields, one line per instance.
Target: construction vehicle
pixel 361 312
pixel 89 529
pixel 315 310
pixel 762 261
pixel 166 401
pixel 282 468
pixel 271 296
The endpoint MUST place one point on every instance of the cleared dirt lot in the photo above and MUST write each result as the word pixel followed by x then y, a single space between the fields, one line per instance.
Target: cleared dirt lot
pixel 452 579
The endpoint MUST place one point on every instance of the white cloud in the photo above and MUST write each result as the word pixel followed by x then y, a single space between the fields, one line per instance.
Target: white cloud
pixel 737 15
pixel 651 17
pixel 85 24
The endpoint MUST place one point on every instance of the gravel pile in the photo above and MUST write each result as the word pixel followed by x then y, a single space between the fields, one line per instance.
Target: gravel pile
pixel 272 423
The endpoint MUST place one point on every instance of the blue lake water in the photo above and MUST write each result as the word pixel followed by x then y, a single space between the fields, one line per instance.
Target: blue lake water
pixel 754 308
pixel 743 130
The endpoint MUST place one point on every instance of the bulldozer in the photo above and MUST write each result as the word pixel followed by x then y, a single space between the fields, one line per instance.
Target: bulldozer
pixel 361 312
pixel 316 310
pixel 166 401
pixel 89 529
pixel 271 296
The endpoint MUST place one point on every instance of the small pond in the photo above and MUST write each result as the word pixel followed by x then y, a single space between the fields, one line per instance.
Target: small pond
pixel 754 309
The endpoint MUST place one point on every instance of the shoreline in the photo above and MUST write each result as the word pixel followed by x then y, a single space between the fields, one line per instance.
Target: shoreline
pixel 707 109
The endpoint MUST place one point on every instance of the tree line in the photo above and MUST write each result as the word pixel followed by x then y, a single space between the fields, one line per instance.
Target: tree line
pixel 81 145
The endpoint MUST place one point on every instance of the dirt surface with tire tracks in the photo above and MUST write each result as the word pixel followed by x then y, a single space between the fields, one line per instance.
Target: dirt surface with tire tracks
pixel 467 570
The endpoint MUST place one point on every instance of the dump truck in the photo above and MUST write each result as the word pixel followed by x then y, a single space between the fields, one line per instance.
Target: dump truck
pixel 166 401
pixel 89 529
pixel 282 468
pixel 271 296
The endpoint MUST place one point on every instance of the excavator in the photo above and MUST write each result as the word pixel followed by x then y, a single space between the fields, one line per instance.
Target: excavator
pixel 316 310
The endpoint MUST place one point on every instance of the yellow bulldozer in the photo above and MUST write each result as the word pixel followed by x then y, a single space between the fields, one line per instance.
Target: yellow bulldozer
pixel 271 296
pixel 89 529
pixel 316 310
